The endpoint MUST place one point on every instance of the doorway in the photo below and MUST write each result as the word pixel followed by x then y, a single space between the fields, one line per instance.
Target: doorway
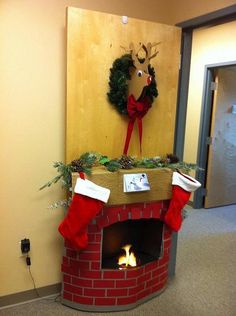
pixel 217 140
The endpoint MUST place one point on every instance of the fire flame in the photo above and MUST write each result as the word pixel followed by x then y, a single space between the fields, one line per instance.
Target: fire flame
pixel 129 259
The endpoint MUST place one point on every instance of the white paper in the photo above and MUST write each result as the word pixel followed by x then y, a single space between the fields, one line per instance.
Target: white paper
pixel 136 182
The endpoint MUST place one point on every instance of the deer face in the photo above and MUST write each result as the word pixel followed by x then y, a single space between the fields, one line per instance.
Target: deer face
pixel 140 77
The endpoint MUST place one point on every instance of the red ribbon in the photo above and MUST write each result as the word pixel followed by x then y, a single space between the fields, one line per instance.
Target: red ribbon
pixel 136 110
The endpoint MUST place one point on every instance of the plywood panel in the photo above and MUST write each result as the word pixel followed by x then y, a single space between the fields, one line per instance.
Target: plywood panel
pixel 159 179
pixel 93 124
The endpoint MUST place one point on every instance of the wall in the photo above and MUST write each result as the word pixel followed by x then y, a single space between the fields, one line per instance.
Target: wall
pixel 32 137
pixel 211 45
pixel 32 105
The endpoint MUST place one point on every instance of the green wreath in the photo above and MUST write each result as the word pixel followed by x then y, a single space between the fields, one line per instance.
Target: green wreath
pixel 119 74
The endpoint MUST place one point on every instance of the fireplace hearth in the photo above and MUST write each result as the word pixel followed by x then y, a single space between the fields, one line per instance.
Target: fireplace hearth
pixel 93 280
pixel 144 237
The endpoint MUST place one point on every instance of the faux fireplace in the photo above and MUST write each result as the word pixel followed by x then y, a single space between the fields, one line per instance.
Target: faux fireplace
pixel 92 279
pixel 143 237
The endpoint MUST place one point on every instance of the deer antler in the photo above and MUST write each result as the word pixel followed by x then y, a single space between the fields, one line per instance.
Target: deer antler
pixel 131 48
pixel 135 54
pixel 149 49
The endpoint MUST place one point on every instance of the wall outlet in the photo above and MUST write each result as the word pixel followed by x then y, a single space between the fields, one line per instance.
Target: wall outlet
pixel 24 247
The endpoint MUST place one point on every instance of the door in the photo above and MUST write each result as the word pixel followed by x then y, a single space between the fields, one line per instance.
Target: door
pixel 221 170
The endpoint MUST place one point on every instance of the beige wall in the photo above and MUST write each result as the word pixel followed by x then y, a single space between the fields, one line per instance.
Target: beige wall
pixel 32 137
pixel 210 45
pixel 32 104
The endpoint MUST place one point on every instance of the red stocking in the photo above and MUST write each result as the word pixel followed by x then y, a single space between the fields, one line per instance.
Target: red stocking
pixel 183 185
pixel 86 203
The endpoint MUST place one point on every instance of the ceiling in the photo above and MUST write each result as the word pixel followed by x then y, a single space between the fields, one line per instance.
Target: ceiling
pixel 163 11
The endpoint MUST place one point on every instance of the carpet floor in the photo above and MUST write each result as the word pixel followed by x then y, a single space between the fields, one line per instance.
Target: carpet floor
pixel 205 280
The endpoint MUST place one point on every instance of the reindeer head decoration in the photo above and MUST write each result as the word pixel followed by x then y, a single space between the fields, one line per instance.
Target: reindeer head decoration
pixel 140 77
pixel 133 86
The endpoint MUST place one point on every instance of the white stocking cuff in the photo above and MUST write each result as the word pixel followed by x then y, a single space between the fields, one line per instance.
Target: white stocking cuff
pixel 185 182
pixel 88 188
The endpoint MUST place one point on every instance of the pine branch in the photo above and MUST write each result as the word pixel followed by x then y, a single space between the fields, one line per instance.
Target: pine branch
pixel 113 165
pixel 53 181
pixel 87 160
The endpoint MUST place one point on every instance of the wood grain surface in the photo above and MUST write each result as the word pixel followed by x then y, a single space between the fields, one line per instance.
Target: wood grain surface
pixel 159 180
pixel 94 41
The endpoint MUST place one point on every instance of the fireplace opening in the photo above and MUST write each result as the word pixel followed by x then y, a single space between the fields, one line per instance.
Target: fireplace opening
pixel 143 238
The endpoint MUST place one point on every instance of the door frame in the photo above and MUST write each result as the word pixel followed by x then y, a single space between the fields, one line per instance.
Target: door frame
pixel 204 128
pixel 217 17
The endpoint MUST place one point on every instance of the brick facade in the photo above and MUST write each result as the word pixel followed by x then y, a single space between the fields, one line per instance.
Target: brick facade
pixel 86 286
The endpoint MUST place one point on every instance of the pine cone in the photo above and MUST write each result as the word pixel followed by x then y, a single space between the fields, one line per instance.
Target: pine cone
pixel 172 158
pixel 126 162
pixel 77 165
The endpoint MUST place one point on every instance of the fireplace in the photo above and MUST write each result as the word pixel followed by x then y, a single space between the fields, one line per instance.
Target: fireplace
pixel 144 237
pixel 92 280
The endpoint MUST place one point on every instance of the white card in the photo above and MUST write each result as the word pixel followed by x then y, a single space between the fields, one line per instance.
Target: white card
pixel 135 182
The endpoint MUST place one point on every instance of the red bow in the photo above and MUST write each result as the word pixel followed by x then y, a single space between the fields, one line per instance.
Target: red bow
pixel 136 109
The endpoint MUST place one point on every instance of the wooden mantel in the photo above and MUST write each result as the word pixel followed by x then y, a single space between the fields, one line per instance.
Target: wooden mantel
pixel 159 180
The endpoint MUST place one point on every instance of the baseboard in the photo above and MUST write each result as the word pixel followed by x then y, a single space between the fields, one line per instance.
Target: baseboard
pixel 25 296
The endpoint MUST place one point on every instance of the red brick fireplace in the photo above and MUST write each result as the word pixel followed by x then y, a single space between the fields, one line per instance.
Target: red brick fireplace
pixel 88 286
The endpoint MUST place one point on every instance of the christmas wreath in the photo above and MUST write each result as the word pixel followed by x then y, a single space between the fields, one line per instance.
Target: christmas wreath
pixel 119 75
pixel 133 87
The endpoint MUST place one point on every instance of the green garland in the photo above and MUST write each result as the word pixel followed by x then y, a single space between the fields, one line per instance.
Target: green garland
pixel 88 160
pixel 119 74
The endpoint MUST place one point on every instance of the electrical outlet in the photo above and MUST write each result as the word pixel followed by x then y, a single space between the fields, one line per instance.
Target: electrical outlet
pixel 24 247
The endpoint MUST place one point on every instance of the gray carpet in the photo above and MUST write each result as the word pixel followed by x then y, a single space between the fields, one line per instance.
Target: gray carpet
pixel 205 281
